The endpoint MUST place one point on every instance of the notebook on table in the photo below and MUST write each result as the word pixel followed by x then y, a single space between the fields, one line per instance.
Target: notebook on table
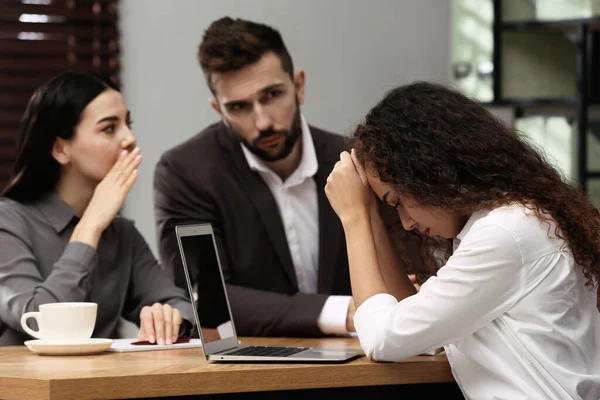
pixel 132 344
pixel 214 320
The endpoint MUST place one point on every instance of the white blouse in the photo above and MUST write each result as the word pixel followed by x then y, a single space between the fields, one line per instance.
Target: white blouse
pixel 510 308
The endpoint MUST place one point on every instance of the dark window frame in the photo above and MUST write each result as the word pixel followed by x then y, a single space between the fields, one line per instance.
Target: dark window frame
pixel 40 39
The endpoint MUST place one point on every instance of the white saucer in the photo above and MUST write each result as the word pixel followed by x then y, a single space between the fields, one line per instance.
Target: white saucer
pixel 63 348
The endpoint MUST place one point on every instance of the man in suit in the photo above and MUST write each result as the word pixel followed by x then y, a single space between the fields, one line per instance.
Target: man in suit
pixel 258 177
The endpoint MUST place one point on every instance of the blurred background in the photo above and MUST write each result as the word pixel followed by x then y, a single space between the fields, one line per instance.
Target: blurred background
pixel 534 63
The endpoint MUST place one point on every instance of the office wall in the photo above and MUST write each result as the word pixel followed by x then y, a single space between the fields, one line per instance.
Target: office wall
pixel 352 52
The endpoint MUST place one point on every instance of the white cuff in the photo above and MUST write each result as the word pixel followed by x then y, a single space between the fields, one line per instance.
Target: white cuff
pixel 363 318
pixel 332 320
pixel 367 317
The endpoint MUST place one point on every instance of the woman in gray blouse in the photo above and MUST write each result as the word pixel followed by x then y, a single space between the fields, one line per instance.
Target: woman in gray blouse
pixel 60 237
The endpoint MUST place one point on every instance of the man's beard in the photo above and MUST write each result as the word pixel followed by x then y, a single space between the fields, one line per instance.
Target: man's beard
pixel 291 136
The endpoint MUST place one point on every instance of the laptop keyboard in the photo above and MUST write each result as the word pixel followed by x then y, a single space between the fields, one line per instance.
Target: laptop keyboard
pixel 265 351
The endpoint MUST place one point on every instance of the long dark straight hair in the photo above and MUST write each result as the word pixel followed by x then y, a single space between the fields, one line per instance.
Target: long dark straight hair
pixel 54 111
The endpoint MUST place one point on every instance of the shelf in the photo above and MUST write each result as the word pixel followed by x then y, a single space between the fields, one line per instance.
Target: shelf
pixel 565 107
pixel 550 26
pixel 583 106
pixel 593 174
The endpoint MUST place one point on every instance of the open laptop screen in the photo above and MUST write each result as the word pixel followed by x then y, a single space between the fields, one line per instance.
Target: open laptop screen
pixel 200 254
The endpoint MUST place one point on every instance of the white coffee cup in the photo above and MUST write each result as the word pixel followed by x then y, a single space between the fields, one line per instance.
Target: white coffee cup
pixel 63 321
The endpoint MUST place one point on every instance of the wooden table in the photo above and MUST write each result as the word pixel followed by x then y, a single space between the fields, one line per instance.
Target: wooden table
pixel 185 372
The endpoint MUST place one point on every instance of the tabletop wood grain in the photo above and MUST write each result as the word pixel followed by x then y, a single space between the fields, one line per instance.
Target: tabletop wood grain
pixel 24 374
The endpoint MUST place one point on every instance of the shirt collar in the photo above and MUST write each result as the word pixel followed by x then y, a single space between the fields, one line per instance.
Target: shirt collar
pixel 57 212
pixel 308 165
pixel 470 222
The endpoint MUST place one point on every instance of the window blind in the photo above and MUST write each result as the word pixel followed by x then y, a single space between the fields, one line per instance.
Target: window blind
pixel 42 38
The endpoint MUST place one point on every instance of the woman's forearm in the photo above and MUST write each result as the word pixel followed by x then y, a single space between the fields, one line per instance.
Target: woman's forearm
pixel 87 233
pixel 365 275
pixel 396 280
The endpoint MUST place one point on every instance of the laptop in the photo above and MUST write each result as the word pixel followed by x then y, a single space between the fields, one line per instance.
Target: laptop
pixel 215 324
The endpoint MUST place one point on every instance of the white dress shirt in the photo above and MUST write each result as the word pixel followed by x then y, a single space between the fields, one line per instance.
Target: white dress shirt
pixel 511 308
pixel 297 200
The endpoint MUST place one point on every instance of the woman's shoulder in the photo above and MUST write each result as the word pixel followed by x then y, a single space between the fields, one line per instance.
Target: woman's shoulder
pixel 18 219
pixel 12 211
pixel 518 218
pixel 533 235
pixel 510 214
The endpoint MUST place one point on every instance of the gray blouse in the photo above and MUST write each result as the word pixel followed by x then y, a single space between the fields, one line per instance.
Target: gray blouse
pixel 38 265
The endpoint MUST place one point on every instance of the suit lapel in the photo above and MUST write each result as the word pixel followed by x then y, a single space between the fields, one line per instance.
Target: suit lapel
pixel 330 231
pixel 262 199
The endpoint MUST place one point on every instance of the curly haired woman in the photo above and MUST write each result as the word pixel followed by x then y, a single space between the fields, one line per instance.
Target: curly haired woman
pixel 515 304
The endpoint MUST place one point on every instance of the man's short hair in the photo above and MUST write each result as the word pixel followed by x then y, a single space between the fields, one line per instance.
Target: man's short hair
pixel 232 44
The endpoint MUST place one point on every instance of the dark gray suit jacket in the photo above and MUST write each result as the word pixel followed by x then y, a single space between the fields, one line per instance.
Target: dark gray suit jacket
pixel 207 179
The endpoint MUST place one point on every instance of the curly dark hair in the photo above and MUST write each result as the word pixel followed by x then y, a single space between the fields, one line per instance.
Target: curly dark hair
pixel 232 44
pixel 435 145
